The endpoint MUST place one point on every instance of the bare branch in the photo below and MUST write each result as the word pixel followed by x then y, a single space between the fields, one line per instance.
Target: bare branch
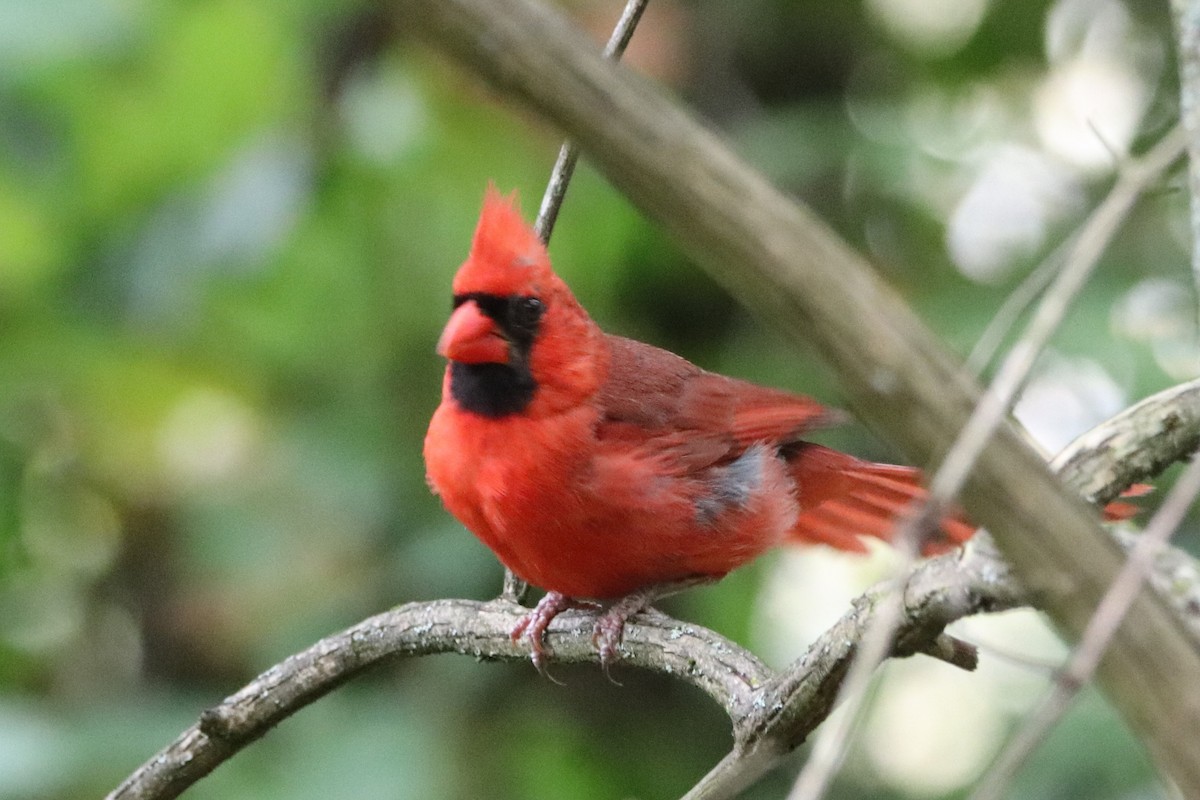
pixel 1079 253
pixel 721 669
pixel 768 711
pixel 1135 177
pixel 1143 441
pixel 1187 29
pixel 1149 559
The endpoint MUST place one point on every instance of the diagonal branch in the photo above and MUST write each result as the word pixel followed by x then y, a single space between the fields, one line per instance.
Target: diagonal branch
pixel 1141 441
pixel 1149 559
pixel 936 592
pixel 1187 32
pixel 568 154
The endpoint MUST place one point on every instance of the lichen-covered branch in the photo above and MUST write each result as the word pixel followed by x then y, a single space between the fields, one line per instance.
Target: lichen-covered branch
pixel 1143 440
pixel 936 592
pixel 730 675
pixel 726 672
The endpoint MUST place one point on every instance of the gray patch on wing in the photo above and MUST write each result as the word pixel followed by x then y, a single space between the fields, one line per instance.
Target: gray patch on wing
pixel 731 487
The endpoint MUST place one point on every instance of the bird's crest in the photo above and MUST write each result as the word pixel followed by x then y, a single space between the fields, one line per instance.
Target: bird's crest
pixel 507 257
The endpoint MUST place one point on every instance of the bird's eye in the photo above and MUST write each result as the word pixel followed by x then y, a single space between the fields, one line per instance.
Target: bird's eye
pixel 529 310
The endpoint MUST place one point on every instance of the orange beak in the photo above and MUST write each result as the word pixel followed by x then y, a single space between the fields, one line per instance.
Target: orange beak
pixel 472 337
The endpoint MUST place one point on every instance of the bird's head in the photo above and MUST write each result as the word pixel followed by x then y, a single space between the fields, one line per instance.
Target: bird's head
pixel 516 331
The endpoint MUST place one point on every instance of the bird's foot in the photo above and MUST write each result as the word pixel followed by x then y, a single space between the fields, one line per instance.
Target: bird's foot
pixel 608 629
pixel 606 633
pixel 533 627
pixel 610 626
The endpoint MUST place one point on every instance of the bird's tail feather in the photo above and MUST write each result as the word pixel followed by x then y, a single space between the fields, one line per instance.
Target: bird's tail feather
pixel 843 499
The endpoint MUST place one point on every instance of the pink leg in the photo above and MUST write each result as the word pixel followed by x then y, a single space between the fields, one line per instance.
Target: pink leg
pixel 610 625
pixel 533 626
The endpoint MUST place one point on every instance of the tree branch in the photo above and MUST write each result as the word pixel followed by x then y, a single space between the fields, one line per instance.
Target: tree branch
pixel 1187 30
pixel 720 668
pixel 1081 664
pixel 767 709
pixel 1081 259
pixel 1143 440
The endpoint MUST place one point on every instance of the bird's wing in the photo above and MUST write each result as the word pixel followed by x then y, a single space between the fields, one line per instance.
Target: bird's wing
pixel 656 399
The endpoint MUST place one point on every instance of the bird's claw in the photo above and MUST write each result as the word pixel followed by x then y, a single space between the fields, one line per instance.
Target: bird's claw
pixel 606 637
pixel 607 631
pixel 532 626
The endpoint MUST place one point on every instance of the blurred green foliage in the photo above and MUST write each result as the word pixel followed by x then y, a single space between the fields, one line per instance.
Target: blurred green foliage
pixel 227 232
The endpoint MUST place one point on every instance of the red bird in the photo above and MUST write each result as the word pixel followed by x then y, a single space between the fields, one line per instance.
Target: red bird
pixel 601 468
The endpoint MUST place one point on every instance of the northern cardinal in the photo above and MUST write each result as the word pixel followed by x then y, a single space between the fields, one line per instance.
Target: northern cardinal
pixel 601 468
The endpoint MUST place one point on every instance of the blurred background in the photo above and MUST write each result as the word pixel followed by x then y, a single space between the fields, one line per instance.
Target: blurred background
pixel 227 232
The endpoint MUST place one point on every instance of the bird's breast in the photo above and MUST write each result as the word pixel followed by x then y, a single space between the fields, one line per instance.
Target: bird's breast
pixel 504 476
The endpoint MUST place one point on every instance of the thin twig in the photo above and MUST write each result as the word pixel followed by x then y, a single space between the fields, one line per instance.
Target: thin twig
pixel 829 750
pixel 1096 638
pixel 1134 178
pixel 801 697
pixel 993 408
pixel 568 154
pixel 1006 316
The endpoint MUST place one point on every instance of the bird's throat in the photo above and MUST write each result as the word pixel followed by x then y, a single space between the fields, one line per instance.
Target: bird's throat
pixel 492 390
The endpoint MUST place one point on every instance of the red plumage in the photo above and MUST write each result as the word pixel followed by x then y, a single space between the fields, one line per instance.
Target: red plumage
pixel 596 466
